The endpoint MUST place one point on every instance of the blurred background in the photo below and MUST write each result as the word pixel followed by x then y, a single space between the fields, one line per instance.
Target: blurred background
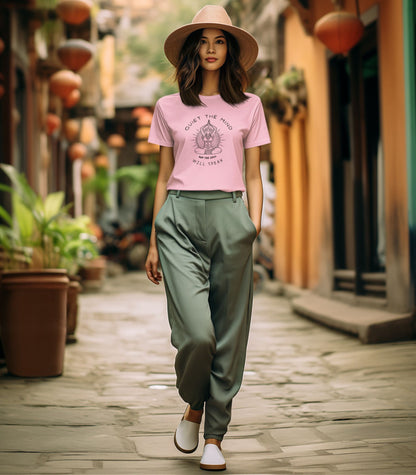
pixel 79 80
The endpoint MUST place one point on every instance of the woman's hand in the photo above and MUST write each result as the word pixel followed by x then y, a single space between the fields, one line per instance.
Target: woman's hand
pixel 165 170
pixel 152 266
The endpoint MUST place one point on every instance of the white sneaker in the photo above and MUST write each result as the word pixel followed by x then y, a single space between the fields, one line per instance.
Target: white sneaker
pixel 187 436
pixel 212 458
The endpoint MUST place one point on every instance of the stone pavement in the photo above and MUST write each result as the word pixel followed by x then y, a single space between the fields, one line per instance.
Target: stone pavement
pixel 313 401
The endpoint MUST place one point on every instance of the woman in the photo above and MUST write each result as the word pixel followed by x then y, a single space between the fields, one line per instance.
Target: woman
pixel 203 233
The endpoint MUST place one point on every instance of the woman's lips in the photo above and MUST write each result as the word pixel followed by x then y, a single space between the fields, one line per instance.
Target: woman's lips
pixel 211 60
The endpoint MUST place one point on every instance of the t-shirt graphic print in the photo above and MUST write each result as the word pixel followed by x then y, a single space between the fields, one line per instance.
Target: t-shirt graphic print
pixel 208 141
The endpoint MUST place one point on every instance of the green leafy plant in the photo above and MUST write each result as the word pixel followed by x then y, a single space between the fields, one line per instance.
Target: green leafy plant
pixel 37 223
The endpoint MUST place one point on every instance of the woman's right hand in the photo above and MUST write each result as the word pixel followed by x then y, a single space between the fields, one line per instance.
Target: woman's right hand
pixel 152 265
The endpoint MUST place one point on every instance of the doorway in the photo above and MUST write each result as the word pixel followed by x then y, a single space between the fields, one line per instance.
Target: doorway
pixel 357 170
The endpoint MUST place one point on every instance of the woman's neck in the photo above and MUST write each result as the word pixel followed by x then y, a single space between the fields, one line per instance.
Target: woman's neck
pixel 210 83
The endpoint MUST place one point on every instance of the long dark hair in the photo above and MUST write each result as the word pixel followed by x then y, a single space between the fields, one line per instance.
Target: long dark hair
pixel 233 78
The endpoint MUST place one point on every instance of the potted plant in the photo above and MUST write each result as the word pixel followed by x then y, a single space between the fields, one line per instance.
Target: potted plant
pixel 33 320
pixel 76 248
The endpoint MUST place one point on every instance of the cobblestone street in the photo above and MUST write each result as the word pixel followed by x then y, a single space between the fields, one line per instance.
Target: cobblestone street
pixel 313 401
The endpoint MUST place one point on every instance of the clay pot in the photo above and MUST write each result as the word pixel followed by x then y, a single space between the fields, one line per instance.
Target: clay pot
pixel 75 53
pixel 71 129
pixel 116 141
pixel 63 82
pixel 72 306
pixel 93 274
pixel 52 123
pixel 339 31
pixel 74 12
pixel 72 99
pixel 33 321
pixel 77 151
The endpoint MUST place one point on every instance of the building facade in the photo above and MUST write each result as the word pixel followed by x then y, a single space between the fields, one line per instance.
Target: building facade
pixel 343 158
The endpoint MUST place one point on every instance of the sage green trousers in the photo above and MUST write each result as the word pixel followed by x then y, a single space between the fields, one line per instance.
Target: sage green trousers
pixel 205 241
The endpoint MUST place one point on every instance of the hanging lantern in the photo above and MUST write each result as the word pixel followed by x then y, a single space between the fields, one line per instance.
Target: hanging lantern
pixel 339 31
pixel 52 123
pixel 101 161
pixel 77 151
pixel 72 99
pixel 145 148
pixel 116 141
pixel 87 170
pixel 75 54
pixel 71 129
pixel 63 82
pixel 74 12
pixel 143 115
pixel 142 133
pixel 88 131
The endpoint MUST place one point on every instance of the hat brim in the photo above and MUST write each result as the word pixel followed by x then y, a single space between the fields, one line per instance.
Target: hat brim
pixel 248 45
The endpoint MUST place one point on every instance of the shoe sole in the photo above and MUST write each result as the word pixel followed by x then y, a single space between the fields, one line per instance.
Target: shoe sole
pixel 213 468
pixel 184 451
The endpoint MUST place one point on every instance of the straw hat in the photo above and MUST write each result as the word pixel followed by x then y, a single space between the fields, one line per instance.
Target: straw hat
pixel 212 16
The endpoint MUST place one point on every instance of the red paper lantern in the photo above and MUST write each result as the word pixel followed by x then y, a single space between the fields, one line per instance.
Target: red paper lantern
pixel 87 170
pixel 75 53
pixel 77 151
pixel 339 31
pixel 63 82
pixel 71 129
pixel 116 141
pixel 52 123
pixel 74 12
pixel 143 115
pixel 101 161
pixel 72 99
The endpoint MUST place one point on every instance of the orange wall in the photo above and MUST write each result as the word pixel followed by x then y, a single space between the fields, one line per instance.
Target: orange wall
pixel 308 53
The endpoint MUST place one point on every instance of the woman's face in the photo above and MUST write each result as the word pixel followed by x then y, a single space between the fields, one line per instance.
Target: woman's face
pixel 212 49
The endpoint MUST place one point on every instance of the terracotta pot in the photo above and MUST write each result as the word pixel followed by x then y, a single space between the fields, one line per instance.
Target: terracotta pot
pixel 75 53
pixel 63 82
pixel 72 306
pixel 93 274
pixel 339 31
pixel 77 151
pixel 72 99
pixel 116 141
pixel 33 321
pixel 74 12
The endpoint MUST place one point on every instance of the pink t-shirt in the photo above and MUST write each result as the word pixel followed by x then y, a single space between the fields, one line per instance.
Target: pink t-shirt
pixel 208 141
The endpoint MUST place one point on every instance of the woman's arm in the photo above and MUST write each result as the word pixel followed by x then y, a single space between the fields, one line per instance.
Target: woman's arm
pixel 254 186
pixel 165 170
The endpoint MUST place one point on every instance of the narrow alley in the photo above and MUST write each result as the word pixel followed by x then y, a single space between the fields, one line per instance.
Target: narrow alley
pixel 313 401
